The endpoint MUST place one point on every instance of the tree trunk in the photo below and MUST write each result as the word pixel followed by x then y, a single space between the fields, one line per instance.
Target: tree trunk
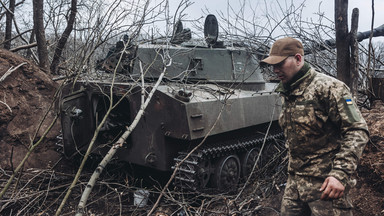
pixel 64 37
pixel 342 41
pixel 371 54
pixel 38 22
pixel 31 40
pixel 354 52
pixel 8 24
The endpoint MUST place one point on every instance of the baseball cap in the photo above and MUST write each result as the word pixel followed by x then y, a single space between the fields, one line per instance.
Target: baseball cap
pixel 282 48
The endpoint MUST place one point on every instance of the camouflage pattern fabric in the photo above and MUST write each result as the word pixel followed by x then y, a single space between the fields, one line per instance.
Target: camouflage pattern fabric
pixel 324 129
pixel 302 197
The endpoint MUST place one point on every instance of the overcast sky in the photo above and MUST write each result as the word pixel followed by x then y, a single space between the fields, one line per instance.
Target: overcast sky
pixel 199 8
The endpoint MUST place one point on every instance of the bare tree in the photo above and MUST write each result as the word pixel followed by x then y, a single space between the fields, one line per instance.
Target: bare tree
pixel 354 53
pixel 38 21
pixel 342 41
pixel 64 37
pixel 8 24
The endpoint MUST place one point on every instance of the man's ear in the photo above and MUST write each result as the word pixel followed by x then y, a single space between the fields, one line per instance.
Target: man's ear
pixel 299 58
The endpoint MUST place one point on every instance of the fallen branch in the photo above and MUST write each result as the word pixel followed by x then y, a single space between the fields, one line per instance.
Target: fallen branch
pixel 6 106
pixel 27 46
pixel 93 140
pixel 112 151
pixel 10 70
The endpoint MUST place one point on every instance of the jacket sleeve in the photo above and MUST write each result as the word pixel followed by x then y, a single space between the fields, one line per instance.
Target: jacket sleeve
pixel 344 112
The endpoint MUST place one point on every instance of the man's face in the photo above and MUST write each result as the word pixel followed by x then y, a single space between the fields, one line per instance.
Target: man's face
pixel 286 69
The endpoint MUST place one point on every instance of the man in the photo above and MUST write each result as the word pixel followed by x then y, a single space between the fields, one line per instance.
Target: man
pixel 324 130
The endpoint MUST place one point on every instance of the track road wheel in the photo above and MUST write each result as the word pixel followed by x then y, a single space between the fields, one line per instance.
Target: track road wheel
pixel 203 173
pixel 248 160
pixel 227 173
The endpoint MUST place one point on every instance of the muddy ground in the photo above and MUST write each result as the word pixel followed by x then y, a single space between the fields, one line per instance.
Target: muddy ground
pixel 26 95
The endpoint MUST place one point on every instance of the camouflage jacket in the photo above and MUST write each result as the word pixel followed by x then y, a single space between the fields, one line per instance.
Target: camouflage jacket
pixel 324 130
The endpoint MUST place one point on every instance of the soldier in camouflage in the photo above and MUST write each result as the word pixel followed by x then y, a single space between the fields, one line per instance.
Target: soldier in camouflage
pixel 324 130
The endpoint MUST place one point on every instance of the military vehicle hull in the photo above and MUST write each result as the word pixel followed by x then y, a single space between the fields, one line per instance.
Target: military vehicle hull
pixel 166 118
pixel 171 124
pixel 211 97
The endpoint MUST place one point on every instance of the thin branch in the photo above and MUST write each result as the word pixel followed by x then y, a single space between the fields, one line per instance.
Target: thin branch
pixel 26 46
pixel 256 164
pixel 10 70
pixel 6 106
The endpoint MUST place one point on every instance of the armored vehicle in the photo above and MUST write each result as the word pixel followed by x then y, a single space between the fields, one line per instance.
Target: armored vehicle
pixel 212 96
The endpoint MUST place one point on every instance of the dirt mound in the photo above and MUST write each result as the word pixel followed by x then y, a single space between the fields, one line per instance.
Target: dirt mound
pixel 368 195
pixel 25 96
pixel 373 158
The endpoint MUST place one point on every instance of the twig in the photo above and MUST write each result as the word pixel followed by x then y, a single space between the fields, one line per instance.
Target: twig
pixel 10 70
pixel 26 46
pixel 6 106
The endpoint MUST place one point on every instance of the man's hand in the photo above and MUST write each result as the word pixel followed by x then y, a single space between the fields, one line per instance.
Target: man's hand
pixel 332 189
